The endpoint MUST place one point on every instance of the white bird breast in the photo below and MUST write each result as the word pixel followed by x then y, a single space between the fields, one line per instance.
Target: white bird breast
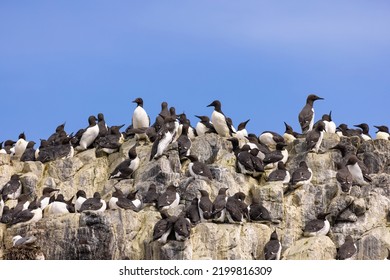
pixel 140 118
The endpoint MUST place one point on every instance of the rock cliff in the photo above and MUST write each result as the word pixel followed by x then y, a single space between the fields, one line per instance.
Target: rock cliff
pixel 125 234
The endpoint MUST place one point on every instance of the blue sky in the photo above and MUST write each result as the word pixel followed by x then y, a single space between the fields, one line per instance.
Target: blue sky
pixel 65 60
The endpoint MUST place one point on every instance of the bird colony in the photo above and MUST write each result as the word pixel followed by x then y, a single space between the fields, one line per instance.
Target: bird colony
pixel 304 192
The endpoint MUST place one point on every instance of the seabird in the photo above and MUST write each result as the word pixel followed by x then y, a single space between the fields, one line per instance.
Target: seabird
pixel 119 200
pixel 56 137
pixel 314 137
pixel 7 215
pixel 191 132
pixel 344 177
pixel 59 206
pixel 168 199
pixel 241 132
pixel 89 135
pixel 236 208
pixel 272 158
pixel 163 228
pixel 140 117
pixel 219 120
pixel 365 131
pixel 280 174
pixel 317 227
pixel 255 143
pixel 192 211
pixel 151 196
pixel 184 142
pixel 103 128
pixel 112 141
pixel 127 167
pixel 94 204
pixel 164 137
pixel 302 175
pixel 13 188
pixel 132 196
pixel 270 139
pixel 348 250
pixel 17 240
pixel 219 210
pixel 81 196
pixel 47 192
pixel 273 248
pixel 29 153
pixel 205 206
pixel 23 204
pixel 289 135
pixel 199 170
pixel 258 213
pixel 20 145
pixel 244 161
pixel 164 113
pixel 306 116
pixel 343 130
pixel 383 132
pixel 330 126
pixel 31 215
pixel 182 228
pixel 204 126
pixel 359 173
pixel 8 147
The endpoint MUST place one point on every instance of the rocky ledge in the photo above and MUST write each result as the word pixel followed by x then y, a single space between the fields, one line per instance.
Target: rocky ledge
pixel 125 234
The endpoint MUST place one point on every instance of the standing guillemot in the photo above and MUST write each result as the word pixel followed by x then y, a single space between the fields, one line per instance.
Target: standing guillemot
pixel 317 227
pixel 205 206
pixel 359 172
pixel 184 142
pixel 127 167
pixel 81 196
pixel 111 142
pixel 182 228
pixel 219 120
pixel 280 174
pixel 348 250
pixel 204 126
pixel 20 145
pixel 306 116
pixel 164 137
pixel 219 206
pixel 365 131
pixel 151 196
pixel 273 248
pixel 94 204
pixel 314 137
pixel 330 126
pixel 302 175
pixel 168 199
pixel 29 153
pixel 119 201
pixel 199 170
pixel 163 228
pixel 270 139
pixel 272 158
pixel 192 211
pixel 241 132
pixel 103 128
pixel 89 135
pixel 289 135
pixel 140 118
pixel 13 188
pixel 383 132
pixel 343 130
pixel 344 177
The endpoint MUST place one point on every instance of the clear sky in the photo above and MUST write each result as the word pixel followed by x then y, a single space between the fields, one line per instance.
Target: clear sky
pixel 65 60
